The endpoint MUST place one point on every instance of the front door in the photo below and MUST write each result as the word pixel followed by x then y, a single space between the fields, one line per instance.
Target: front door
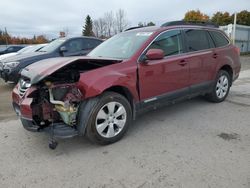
pixel 168 76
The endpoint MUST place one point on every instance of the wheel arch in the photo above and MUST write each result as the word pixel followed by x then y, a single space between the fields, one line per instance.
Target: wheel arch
pixel 126 93
pixel 229 69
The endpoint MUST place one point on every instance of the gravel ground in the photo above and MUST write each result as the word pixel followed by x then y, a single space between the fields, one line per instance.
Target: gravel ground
pixel 190 144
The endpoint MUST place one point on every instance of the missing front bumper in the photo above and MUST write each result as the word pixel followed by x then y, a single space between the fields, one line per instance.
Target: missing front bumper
pixel 59 130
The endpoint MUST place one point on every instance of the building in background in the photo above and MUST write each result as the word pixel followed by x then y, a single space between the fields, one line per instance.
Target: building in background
pixel 242 36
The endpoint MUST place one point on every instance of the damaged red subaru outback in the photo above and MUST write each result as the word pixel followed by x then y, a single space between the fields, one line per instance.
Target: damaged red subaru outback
pixel 135 71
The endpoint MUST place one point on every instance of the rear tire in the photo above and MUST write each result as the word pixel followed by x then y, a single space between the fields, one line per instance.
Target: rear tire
pixel 108 118
pixel 220 88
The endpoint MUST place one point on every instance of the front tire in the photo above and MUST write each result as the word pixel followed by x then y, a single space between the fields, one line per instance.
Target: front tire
pixel 220 88
pixel 108 119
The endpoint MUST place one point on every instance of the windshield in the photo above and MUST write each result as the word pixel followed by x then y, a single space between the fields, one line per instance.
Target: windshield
pixel 29 49
pixel 121 46
pixel 52 45
pixel 25 49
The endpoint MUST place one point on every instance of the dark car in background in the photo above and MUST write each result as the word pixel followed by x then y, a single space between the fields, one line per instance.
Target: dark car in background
pixel 11 49
pixel 26 49
pixel 10 68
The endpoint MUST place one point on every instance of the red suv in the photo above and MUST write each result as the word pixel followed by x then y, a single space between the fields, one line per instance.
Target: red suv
pixel 135 71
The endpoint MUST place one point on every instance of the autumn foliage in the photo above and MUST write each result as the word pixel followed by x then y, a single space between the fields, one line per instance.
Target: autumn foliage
pixel 6 38
pixel 195 15
pixel 219 18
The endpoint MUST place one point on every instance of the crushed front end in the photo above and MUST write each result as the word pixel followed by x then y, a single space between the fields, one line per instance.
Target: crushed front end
pixel 49 94
pixel 48 107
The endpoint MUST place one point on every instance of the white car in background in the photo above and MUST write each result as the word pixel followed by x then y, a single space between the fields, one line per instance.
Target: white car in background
pixel 27 49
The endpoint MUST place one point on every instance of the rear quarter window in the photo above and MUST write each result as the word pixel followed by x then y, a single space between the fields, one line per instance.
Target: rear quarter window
pixel 197 39
pixel 219 39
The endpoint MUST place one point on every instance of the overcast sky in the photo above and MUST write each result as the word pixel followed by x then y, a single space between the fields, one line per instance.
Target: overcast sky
pixel 48 17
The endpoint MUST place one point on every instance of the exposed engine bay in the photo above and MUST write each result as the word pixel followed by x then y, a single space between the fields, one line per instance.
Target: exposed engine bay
pixel 55 103
pixel 66 100
pixel 57 97
pixel 52 96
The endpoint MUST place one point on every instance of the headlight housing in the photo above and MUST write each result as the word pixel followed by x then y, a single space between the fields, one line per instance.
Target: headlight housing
pixel 10 65
pixel 24 84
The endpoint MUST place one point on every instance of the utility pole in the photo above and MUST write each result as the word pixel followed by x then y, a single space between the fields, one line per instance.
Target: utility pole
pixel 234 27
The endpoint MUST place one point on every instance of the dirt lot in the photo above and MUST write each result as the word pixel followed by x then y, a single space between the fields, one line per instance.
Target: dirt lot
pixel 190 144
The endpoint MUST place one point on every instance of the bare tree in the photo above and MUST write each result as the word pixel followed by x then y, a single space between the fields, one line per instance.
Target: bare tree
pixel 100 28
pixel 121 21
pixel 110 21
pixel 96 28
pixel 109 24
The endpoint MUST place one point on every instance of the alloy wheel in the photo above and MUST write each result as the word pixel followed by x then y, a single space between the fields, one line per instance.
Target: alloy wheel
pixel 222 86
pixel 110 119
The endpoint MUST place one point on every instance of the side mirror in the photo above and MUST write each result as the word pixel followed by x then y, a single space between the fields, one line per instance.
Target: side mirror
pixel 63 49
pixel 154 54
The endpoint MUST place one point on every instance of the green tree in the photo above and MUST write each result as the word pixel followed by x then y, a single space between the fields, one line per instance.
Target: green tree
pixel 243 17
pixel 140 24
pixel 150 24
pixel 195 15
pixel 88 27
pixel 221 18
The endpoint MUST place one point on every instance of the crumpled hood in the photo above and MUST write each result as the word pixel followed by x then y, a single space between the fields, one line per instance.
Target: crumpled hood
pixel 41 69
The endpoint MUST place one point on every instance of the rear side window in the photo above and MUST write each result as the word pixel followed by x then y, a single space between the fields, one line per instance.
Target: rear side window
pixel 170 42
pixel 197 39
pixel 219 39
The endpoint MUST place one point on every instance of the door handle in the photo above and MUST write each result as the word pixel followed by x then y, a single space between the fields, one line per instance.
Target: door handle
pixel 215 55
pixel 182 62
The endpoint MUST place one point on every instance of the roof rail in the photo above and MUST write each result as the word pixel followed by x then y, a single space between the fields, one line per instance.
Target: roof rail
pixel 131 28
pixel 182 22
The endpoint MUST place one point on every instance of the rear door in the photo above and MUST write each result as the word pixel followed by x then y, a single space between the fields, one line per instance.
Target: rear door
pixel 201 58
pixel 168 77
pixel 224 52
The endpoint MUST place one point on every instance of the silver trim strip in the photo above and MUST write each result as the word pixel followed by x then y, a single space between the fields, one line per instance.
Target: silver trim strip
pixel 150 100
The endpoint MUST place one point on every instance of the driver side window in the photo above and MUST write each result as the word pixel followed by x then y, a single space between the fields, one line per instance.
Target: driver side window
pixel 10 49
pixel 74 46
pixel 170 42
